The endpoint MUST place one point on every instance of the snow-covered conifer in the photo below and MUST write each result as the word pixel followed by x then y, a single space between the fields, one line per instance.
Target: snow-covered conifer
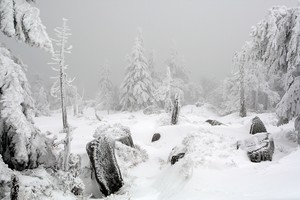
pixel 104 96
pixel 16 110
pixel 137 89
pixel 19 19
pixel 162 94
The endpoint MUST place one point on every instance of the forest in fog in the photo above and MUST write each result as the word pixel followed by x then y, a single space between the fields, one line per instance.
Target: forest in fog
pixel 156 126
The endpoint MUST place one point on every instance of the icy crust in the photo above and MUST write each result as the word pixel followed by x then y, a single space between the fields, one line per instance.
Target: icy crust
pixel 207 149
pixel 116 131
pixel 106 170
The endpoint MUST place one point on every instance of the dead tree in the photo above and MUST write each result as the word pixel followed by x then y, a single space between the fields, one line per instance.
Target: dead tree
pixel 176 109
pixel 14 190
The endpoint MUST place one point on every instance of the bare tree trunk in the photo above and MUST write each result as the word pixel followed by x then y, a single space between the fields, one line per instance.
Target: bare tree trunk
pixel 176 109
pixel 243 112
pixel 14 190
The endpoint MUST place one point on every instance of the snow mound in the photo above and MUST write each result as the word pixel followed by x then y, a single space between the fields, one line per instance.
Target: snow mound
pixel 208 149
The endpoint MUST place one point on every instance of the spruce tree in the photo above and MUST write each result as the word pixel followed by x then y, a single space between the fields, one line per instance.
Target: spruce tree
pixel 136 89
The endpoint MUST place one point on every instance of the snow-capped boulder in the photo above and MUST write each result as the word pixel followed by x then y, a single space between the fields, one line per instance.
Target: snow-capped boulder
pixel 175 158
pixel 177 153
pixel 101 152
pixel 257 126
pixel 155 137
pixel 259 147
pixel 118 132
pixel 213 122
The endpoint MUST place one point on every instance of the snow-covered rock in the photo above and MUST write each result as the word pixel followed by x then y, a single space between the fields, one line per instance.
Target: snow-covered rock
pixel 257 126
pixel 101 152
pixel 213 122
pixel 259 147
pixel 118 132
pixel 155 137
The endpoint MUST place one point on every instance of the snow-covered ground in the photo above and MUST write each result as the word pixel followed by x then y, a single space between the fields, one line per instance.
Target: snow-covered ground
pixel 212 169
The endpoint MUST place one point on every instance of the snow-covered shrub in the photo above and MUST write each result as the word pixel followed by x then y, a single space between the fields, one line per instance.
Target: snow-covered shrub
pixel 42 151
pixel 208 149
pixel 130 157
pixel 69 183
pixel 5 177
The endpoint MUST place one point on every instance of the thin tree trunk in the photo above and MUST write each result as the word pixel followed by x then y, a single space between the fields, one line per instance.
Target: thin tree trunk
pixel 243 112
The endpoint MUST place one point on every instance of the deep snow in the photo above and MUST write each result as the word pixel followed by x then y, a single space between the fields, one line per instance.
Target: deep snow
pixel 212 167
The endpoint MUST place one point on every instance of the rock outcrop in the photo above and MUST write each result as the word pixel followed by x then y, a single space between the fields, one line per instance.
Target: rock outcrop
pixel 259 147
pixel 101 152
pixel 257 126
pixel 155 137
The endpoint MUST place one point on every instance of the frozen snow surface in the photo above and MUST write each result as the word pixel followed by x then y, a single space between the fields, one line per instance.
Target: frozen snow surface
pixel 212 167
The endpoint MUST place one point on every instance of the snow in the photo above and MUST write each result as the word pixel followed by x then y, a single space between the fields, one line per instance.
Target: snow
pixel 212 167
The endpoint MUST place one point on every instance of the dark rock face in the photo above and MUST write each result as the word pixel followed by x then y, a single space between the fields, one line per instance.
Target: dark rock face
pixel 126 138
pixel 77 190
pixel 175 158
pixel 282 121
pixel 104 164
pixel 155 137
pixel 175 111
pixel 259 147
pixel 214 122
pixel 257 126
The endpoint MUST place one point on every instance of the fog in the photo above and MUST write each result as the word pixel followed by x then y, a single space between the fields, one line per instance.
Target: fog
pixel 207 33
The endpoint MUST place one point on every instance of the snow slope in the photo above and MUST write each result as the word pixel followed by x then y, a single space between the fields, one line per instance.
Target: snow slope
pixel 212 167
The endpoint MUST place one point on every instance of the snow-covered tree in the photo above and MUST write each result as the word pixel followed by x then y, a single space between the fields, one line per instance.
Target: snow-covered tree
pixel 137 89
pixel 42 107
pixel 179 73
pixel 151 64
pixel 273 54
pixel 40 96
pixel 104 96
pixel 16 109
pixel 19 19
pixel 76 99
pixel 289 105
pixel 162 94
pixel 59 86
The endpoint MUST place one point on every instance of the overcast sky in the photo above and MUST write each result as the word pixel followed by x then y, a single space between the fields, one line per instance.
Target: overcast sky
pixel 207 34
